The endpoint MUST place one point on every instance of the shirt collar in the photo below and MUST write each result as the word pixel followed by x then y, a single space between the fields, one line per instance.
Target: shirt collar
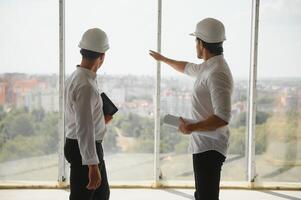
pixel 214 59
pixel 88 72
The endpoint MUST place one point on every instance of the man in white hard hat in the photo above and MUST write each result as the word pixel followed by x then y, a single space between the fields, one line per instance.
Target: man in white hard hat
pixel 211 106
pixel 86 123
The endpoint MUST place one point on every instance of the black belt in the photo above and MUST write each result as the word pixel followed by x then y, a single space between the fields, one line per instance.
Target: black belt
pixel 97 141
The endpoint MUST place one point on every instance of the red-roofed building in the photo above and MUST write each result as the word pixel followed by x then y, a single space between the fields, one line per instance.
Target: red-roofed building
pixel 3 90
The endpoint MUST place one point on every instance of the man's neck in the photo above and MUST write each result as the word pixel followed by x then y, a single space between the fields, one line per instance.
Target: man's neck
pixel 208 55
pixel 92 66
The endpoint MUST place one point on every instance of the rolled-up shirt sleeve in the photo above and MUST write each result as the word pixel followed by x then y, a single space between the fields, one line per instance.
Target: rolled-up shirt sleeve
pixel 220 86
pixel 192 69
pixel 85 125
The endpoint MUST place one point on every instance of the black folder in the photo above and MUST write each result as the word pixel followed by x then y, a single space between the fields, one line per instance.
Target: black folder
pixel 108 106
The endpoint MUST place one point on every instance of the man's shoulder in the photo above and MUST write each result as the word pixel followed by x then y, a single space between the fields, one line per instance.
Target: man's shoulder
pixel 220 67
pixel 195 69
pixel 220 70
pixel 77 81
pixel 79 78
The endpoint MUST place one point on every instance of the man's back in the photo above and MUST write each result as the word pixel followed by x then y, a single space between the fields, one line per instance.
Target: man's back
pixel 76 86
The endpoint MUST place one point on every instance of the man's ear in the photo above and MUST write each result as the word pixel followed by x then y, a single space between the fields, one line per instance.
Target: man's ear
pixel 102 57
pixel 201 44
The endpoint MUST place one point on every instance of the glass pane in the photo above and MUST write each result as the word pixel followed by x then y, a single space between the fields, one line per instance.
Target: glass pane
pixel 127 77
pixel 278 120
pixel 29 90
pixel 179 19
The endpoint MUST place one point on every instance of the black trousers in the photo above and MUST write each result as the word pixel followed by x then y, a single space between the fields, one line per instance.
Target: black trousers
pixel 207 167
pixel 79 178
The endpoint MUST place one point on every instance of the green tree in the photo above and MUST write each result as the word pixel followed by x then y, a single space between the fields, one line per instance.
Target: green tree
pixel 109 142
pixel 170 137
pixel 18 124
pixel 38 114
pixel 21 147
pixel 2 113
pixel 241 119
pixel 49 132
pixel 24 134
pixel 237 140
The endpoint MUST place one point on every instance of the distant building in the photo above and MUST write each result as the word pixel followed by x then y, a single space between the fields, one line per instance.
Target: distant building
pixel 33 92
pixel 176 103
pixel 3 93
pixel 48 100
pixel 21 88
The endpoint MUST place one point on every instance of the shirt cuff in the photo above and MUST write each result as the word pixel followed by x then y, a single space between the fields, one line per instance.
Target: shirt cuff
pixel 186 68
pixel 93 161
pixel 224 117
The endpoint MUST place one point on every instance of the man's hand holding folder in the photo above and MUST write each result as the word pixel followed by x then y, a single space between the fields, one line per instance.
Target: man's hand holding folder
pixel 108 118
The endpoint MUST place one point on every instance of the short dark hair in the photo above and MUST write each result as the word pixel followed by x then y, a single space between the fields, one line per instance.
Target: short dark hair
pixel 91 55
pixel 214 48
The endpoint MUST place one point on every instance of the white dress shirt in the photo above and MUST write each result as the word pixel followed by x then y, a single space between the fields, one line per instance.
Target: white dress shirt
pixel 84 115
pixel 211 96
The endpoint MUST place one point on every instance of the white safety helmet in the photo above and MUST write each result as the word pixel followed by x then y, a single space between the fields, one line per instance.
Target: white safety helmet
pixel 94 39
pixel 210 30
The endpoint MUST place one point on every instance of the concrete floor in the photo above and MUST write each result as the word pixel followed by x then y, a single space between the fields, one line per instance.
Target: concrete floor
pixel 151 194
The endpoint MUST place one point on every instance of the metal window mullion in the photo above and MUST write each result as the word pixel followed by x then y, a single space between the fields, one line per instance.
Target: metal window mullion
pixel 157 103
pixel 61 162
pixel 251 170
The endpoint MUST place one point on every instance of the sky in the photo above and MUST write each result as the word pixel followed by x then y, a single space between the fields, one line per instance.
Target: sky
pixel 30 34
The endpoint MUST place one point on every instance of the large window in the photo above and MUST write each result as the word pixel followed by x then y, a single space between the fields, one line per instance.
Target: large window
pixel 278 119
pixel 29 101
pixel 30 120
pixel 127 76
pixel 179 19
